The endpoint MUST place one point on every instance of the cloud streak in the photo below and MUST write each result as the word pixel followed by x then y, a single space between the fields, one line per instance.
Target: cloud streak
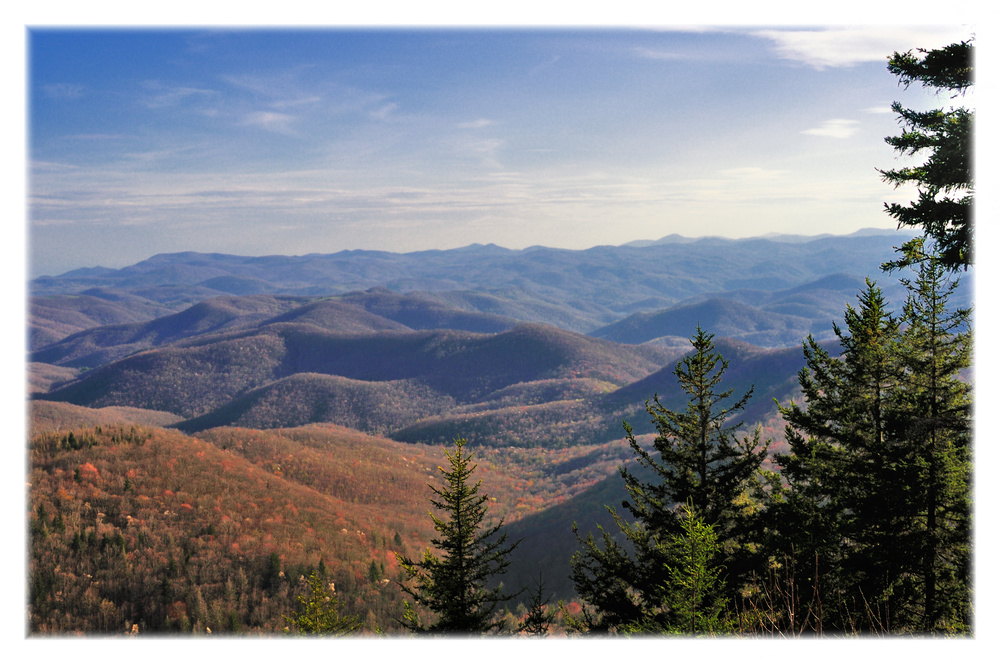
pixel 167 96
pixel 836 128
pixel 847 47
pixel 411 140
pixel 475 124
pixel 270 121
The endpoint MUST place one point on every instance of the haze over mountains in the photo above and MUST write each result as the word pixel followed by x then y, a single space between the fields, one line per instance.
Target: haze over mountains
pixel 535 356
pixel 579 291
pixel 538 347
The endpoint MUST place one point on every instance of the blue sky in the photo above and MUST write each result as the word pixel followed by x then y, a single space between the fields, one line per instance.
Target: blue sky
pixel 291 141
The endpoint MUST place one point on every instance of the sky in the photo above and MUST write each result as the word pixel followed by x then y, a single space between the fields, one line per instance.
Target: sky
pixel 293 141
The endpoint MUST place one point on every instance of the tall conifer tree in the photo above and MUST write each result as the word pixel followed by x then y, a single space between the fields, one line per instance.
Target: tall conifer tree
pixel 934 415
pixel 873 527
pixel 832 518
pixel 455 585
pixel 946 186
pixel 697 461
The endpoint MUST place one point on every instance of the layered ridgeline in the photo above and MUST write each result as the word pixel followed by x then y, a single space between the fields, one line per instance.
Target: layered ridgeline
pixel 533 385
pixel 135 524
pixel 488 346
pixel 323 387
pixel 581 291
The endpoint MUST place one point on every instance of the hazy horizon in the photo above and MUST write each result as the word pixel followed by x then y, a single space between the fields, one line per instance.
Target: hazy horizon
pixel 299 141
pixel 643 242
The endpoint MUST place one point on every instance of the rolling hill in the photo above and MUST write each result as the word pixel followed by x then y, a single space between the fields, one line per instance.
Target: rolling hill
pixel 228 410
pixel 54 317
pixel 578 290
pixel 203 373
pixel 100 345
pixel 140 525
pixel 724 317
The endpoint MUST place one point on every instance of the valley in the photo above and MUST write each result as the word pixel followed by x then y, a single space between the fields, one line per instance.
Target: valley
pixel 244 413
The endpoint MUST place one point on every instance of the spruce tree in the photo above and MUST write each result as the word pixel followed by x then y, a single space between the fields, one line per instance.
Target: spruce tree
pixel 833 520
pixel 872 530
pixel 945 180
pixel 934 421
pixel 691 592
pixel 700 458
pixel 538 619
pixel 319 611
pixel 698 461
pixel 454 585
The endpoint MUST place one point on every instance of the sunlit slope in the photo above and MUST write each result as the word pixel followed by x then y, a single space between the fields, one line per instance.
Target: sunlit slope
pixel 140 525
pixel 203 374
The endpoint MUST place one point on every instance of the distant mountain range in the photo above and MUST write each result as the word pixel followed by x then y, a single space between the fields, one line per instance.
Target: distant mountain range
pixel 783 286
pixel 488 343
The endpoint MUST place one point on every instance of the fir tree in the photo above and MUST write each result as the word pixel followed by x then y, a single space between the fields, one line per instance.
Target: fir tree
pixel 934 422
pixel 319 612
pixel 842 470
pixel 945 181
pixel 873 527
pixel 697 461
pixel 454 586
pixel 538 620
pixel 691 591
pixel 701 460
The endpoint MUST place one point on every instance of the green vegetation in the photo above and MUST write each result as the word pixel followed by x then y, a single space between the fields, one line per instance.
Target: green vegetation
pixel 945 180
pixel 864 526
pixel 878 500
pixel 319 612
pixel 454 586
pixel 698 463
pixel 145 527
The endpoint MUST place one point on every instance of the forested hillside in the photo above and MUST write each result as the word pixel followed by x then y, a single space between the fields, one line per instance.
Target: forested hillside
pixel 199 461
pixel 140 525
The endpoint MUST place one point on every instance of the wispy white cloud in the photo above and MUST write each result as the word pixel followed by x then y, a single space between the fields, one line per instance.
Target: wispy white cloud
pixel 836 128
pixel 164 96
pixel 656 54
pixel 545 65
pixel 849 46
pixel 476 124
pixel 384 111
pixel 270 121
pixel 42 166
pixel 290 88
pixel 294 102
pixel 96 137
pixel 483 150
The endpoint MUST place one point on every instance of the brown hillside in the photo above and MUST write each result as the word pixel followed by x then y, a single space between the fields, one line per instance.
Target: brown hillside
pixel 53 416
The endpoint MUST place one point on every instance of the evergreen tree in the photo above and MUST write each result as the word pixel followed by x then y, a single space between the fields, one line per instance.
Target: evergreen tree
pixel 538 619
pixel 873 527
pixel 698 461
pixel 691 592
pixel 701 460
pixel 945 181
pixel 841 472
pixel 934 421
pixel 454 585
pixel 319 612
